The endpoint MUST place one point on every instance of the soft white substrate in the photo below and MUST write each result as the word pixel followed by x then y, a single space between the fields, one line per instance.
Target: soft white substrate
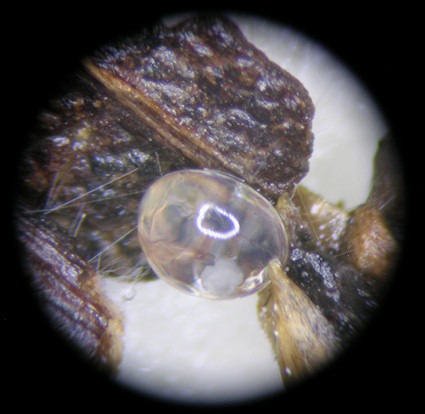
pixel 195 350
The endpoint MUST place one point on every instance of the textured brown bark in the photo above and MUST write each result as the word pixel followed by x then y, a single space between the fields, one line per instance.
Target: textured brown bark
pixel 339 263
pixel 70 292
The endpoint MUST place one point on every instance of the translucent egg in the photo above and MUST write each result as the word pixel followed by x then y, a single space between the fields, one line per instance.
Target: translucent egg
pixel 210 234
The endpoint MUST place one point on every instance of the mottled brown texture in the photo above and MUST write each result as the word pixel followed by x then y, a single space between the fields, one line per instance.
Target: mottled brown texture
pixel 338 264
pixel 303 339
pixel 326 222
pixel 88 164
pixel 197 94
pixel 218 100
pixel 70 292
pixel 324 273
pixel 375 231
pixel 372 248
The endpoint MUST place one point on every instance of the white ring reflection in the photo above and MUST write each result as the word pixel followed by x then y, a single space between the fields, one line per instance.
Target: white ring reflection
pixel 210 209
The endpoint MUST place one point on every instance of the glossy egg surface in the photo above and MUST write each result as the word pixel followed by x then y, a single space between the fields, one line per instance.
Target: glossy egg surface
pixel 209 234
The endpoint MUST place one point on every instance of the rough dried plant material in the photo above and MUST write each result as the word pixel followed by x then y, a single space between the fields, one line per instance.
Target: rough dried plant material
pixel 218 100
pixel 325 221
pixel 372 248
pixel 333 280
pixel 196 94
pixel 303 339
pixel 375 230
pixel 71 293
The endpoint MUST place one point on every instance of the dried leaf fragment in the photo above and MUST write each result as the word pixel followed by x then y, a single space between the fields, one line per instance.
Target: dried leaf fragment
pixel 301 336
pixel 217 99
pixel 333 280
pixel 372 248
pixel 70 292
pixel 327 222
